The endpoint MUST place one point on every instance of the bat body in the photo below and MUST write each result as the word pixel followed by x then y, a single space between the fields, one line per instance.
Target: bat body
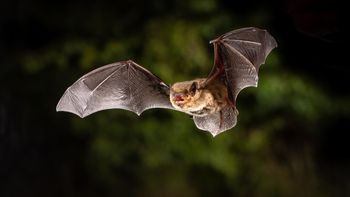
pixel 197 98
pixel 211 101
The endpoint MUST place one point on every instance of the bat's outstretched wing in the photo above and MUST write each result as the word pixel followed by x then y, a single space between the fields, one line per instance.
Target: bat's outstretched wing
pixel 240 53
pixel 121 85
pixel 237 57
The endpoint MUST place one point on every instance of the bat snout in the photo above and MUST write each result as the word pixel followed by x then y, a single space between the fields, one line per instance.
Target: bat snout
pixel 179 98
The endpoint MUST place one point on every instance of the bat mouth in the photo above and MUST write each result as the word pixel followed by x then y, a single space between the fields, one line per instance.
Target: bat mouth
pixel 179 99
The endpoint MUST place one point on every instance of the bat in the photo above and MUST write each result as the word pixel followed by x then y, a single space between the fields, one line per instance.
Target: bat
pixel 211 101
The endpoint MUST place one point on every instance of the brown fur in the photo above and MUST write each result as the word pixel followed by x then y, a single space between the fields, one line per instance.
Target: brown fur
pixel 207 99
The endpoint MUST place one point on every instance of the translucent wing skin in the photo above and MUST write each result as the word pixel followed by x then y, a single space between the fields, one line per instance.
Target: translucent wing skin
pixel 218 122
pixel 241 52
pixel 238 55
pixel 121 85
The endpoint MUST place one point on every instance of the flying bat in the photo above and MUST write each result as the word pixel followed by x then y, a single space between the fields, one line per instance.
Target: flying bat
pixel 211 101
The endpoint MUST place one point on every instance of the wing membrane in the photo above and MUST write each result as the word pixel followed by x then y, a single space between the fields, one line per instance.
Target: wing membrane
pixel 241 52
pixel 218 122
pixel 121 85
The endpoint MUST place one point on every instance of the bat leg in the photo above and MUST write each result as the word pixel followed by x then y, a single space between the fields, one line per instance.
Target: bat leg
pixel 230 103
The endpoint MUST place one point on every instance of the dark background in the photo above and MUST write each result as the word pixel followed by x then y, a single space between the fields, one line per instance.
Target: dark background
pixel 292 134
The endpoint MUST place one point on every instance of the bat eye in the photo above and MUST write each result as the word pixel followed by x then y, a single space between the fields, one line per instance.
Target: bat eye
pixel 193 88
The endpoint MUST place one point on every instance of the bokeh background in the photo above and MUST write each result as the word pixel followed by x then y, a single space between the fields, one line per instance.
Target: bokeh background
pixel 292 134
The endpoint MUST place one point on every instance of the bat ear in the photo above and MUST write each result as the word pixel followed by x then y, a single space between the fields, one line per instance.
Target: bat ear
pixel 193 88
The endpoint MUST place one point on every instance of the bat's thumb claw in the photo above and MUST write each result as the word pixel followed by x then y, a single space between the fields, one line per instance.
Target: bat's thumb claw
pixel 212 41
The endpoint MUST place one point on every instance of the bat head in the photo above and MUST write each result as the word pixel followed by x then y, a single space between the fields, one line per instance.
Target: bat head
pixel 184 95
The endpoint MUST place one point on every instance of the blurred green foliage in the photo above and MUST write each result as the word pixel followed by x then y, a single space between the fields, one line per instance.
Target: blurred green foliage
pixel 271 151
